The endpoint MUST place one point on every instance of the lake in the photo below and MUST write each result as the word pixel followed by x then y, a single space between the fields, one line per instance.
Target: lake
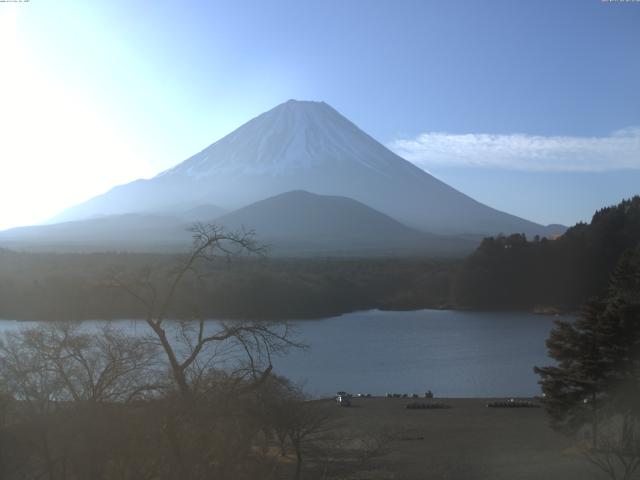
pixel 453 353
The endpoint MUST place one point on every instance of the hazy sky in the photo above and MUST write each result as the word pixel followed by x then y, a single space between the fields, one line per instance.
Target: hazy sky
pixel 530 106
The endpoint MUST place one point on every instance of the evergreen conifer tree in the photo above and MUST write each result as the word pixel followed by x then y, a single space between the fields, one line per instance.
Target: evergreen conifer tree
pixel 597 374
pixel 595 384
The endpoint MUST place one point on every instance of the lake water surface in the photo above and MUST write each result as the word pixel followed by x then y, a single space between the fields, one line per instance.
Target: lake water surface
pixel 452 353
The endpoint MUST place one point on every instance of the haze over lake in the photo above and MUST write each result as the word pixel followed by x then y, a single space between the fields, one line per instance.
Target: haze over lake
pixel 453 353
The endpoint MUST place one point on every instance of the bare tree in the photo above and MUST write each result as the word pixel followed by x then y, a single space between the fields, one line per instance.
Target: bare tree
pixel 103 366
pixel 67 383
pixel 292 418
pixel 191 345
pixel 306 422
pixel 103 404
pixel 61 362
pixel 617 453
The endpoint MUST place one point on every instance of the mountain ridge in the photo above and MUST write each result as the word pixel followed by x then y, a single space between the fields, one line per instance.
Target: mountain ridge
pixel 302 145
pixel 296 223
pixel 299 220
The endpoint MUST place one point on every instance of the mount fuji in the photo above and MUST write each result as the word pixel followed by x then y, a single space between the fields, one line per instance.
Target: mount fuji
pixel 304 145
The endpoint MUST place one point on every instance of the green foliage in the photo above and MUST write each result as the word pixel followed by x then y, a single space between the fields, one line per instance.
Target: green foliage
pixel 511 272
pixel 597 375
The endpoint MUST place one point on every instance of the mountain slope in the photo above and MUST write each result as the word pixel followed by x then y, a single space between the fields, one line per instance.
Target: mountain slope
pixel 127 232
pixel 301 222
pixel 307 146
pixel 292 224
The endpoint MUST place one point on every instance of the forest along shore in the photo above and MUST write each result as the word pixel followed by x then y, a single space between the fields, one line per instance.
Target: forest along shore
pixel 75 286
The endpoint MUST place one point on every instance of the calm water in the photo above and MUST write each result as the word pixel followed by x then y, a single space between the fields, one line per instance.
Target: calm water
pixel 452 353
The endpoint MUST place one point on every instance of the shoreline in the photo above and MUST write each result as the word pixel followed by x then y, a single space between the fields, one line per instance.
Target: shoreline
pixel 544 312
pixel 467 441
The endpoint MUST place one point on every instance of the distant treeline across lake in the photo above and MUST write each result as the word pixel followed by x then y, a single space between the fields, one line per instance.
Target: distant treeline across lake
pixel 57 286
pixel 508 272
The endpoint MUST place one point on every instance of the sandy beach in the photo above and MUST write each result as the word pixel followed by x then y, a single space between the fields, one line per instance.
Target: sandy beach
pixel 467 441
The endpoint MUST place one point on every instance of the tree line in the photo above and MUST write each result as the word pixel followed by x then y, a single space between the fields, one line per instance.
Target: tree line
pixel 56 286
pixel 514 272
pixel 592 393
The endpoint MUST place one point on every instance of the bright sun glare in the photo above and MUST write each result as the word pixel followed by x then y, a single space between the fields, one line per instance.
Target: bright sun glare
pixel 56 149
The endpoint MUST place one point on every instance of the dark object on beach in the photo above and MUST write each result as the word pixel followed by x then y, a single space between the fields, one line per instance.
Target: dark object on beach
pixel 428 394
pixel 512 403
pixel 426 406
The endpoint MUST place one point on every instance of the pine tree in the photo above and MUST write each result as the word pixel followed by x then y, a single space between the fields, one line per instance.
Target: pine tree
pixel 620 331
pixel 597 374
pixel 574 389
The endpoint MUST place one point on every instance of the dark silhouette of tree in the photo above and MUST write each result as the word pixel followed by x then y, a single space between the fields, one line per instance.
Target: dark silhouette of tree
pixel 595 387
pixel 192 400
pixel 511 272
pixel 194 347
pixel 574 389
pixel 63 382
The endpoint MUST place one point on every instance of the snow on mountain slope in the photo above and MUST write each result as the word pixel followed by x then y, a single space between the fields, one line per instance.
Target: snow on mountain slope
pixel 292 137
pixel 302 145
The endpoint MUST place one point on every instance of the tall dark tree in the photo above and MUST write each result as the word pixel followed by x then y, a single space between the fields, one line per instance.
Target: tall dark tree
pixel 620 332
pixel 574 388
pixel 595 385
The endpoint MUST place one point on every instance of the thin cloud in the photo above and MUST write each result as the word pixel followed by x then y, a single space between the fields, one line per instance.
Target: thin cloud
pixel 618 151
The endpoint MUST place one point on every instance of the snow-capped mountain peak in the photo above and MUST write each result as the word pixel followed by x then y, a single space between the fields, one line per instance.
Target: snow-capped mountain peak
pixel 293 136
pixel 301 145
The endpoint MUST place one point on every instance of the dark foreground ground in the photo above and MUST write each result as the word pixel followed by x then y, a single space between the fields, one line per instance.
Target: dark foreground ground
pixel 467 441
